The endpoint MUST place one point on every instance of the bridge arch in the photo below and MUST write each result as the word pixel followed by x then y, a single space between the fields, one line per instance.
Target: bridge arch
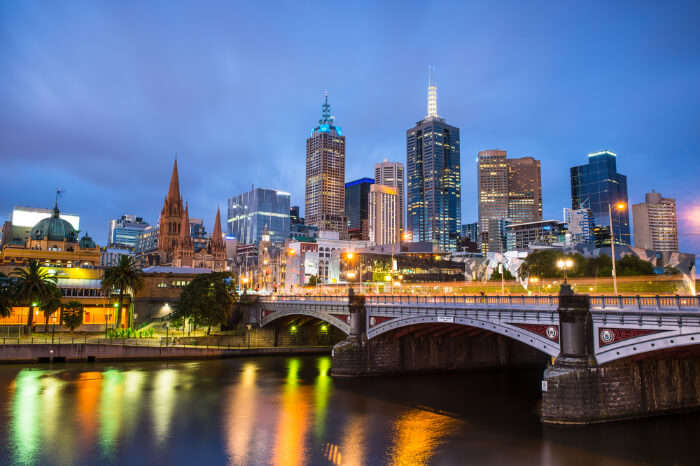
pixel 543 337
pixel 341 324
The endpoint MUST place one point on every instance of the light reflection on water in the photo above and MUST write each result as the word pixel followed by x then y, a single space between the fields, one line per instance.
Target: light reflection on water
pixel 289 411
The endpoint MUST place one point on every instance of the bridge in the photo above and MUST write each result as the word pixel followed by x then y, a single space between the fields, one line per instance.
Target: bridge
pixel 623 326
pixel 606 357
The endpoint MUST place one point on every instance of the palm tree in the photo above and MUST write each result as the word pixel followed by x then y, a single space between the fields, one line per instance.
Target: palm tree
pixel 49 305
pixel 6 300
pixel 31 285
pixel 72 315
pixel 126 277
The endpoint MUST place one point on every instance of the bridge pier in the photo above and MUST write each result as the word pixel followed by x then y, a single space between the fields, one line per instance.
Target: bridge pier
pixel 575 390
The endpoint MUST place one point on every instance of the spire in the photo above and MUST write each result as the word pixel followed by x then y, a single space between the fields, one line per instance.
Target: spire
pixel 325 110
pixel 174 190
pixel 217 237
pixel 432 95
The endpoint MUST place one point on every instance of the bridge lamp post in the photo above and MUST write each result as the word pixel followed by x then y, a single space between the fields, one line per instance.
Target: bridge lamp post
pixel 534 280
pixel 565 265
pixel 350 256
pixel 618 206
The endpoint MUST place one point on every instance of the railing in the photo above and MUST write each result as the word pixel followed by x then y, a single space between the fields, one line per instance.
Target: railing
pixel 597 302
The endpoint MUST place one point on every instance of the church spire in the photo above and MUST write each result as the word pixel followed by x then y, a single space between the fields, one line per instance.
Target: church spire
pixel 174 190
pixel 432 95
pixel 217 236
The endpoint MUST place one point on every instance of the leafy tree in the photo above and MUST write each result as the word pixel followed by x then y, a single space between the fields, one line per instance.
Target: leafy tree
pixel 313 280
pixel 31 285
pixel 207 300
pixel 72 315
pixel 496 275
pixel 6 296
pixel 127 278
pixel 49 305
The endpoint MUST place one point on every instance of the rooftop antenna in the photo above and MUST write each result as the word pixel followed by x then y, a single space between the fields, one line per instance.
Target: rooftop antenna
pixel 59 191
pixel 432 94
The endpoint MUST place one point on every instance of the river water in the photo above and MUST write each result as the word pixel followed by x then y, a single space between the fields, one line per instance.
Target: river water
pixel 288 410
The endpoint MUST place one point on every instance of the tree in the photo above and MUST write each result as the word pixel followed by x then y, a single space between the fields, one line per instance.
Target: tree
pixel 31 285
pixel 6 296
pixel 49 305
pixel 72 315
pixel 125 277
pixel 207 300
pixel 313 280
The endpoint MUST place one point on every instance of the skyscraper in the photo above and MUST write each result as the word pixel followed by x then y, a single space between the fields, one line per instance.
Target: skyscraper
pixel 392 174
pixel 434 185
pixel 383 215
pixel 597 185
pixel 124 231
pixel 252 213
pixel 325 175
pixel 656 223
pixel 508 189
pixel 357 207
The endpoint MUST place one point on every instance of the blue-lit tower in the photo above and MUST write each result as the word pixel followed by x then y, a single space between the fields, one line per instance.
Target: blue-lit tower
pixel 433 179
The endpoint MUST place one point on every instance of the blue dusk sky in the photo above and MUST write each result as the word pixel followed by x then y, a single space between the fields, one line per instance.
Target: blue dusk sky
pixel 98 97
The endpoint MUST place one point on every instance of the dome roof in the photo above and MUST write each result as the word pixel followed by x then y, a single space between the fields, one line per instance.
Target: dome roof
pixel 86 242
pixel 54 228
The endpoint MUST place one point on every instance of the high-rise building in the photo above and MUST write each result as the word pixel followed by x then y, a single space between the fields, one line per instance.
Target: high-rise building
pixel 434 211
pixel 252 213
pixel 508 189
pixel 524 190
pixel 580 225
pixel 294 216
pixel 597 185
pixel 124 232
pixel 655 223
pixel 325 175
pixel 357 207
pixel 392 174
pixel 471 231
pixel 384 226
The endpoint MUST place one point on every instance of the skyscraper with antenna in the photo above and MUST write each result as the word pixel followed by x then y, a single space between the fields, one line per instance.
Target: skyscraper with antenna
pixel 434 212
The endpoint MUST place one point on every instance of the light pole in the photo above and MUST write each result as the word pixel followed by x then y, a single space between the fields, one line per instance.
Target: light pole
pixel 618 206
pixel 565 265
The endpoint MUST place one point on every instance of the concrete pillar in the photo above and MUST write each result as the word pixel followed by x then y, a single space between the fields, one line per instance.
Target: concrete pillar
pixel 350 356
pixel 575 330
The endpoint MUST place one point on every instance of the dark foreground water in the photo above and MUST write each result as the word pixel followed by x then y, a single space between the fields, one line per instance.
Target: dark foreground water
pixel 290 411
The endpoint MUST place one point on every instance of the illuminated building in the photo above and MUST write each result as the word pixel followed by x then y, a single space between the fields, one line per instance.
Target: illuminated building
pixel 520 236
pixel 294 216
pixel 580 225
pixel 656 223
pixel 257 211
pixel 357 207
pixel 384 216
pixel 433 179
pixel 325 175
pixel 471 231
pixel 596 186
pixel 508 189
pixel 124 232
pixel 392 174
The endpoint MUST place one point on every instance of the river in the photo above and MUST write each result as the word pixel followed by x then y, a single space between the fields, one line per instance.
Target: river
pixel 288 410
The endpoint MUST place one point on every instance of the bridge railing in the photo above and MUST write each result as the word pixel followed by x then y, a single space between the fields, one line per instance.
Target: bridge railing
pixel 627 303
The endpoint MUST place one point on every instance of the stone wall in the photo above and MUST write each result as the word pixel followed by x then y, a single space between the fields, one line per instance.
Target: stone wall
pixel 623 390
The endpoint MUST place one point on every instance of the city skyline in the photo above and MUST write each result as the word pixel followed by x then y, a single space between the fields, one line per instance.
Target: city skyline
pixel 118 148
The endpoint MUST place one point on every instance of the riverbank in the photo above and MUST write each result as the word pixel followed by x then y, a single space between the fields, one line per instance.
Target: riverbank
pixel 81 352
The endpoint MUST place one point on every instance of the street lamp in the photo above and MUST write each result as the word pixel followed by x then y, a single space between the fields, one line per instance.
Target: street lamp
pixel 565 265
pixel 534 280
pixel 618 206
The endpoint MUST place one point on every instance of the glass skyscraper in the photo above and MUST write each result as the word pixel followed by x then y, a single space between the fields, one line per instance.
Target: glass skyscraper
pixel 434 183
pixel 597 185
pixel 357 207
pixel 252 213
pixel 125 231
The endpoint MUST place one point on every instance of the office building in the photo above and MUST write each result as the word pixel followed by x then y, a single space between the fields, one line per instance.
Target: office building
pixel 580 225
pixel 392 174
pixel 434 212
pixel 357 207
pixel 596 186
pixel 124 232
pixel 294 216
pixel 656 223
pixel 521 236
pixel 508 189
pixel 325 175
pixel 384 226
pixel 257 211
pixel 471 231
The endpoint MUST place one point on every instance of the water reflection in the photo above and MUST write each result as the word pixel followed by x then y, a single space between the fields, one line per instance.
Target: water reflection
pixel 417 434
pixel 163 402
pixel 25 416
pixel 240 415
pixel 110 412
pixel 293 419
pixel 322 391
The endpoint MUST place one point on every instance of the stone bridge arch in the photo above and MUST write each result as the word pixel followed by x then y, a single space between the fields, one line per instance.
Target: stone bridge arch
pixel 338 317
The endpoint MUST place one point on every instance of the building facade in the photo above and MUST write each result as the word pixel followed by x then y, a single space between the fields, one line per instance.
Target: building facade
pixel 325 175
pixel 392 174
pixel 384 218
pixel 257 211
pixel 580 225
pixel 19 226
pixel 434 211
pixel 596 186
pixel 656 223
pixel 124 232
pixel 520 236
pixel 524 190
pixel 471 231
pixel 357 207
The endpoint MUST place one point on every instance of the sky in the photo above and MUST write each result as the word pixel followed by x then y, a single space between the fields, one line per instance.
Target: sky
pixel 97 98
